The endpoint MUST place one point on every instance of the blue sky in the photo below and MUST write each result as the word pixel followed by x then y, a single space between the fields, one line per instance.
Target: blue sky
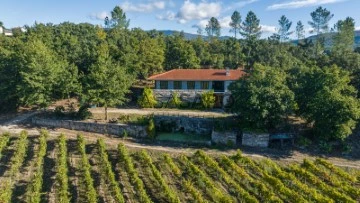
pixel 171 14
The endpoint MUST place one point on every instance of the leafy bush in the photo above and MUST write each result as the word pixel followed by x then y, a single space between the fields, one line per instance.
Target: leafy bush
pixel 83 112
pixel 147 99
pixel 59 111
pixel 125 134
pixel 208 99
pixel 304 142
pixel 175 100
pixel 151 131
pixel 325 146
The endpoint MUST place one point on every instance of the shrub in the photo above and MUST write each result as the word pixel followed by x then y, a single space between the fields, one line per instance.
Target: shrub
pixel 304 142
pixel 83 112
pixel 208 99
pixel 59 111
pixel 325 146
pixel 125 134
pixel 175 100
pixel 147 99
pixel 151 131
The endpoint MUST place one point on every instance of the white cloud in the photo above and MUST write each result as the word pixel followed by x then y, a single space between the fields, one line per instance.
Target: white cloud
pixel 244 3
pixel 357 28
pixel 143 7
pixel 168 16
pixel 203 10
pixel 268 29
pixel 225 21
pixel 99 16
pixel 301 3
pixel 201 24
pixel 239 4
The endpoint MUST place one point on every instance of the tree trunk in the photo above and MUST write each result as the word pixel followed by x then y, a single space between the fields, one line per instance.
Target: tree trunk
pixel 106 113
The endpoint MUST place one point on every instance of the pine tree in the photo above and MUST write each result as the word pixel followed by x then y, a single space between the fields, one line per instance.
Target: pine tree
pixel 345 36
pixel 300 31
pixel 213 27
pixel 251 29
pixel 320 20
pixel 285 25
pixel 235 23
pixel 118 18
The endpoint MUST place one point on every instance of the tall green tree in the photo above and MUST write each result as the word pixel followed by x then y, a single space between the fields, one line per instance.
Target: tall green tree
pixel 320 25
pixel 1 24
pixel 68 82
pixel 326 100
pixel 263 98
pixel 201 48
pixel 320 20
pixel 9 73
pixel 213 28
pixel 251 31
pixel 39 70
pixel 118 18
pixel 250 28
pixel 300 30
pixel 284 27
pixel 235 23
pixel 144 54
pixel 180 54
pixel 345 37
pixel 108 82
pixel 233 55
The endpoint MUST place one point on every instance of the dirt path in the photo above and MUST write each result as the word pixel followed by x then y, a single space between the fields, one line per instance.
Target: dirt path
pixel 13 126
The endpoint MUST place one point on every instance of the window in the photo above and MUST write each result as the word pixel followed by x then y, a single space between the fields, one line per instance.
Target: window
pixel 204 85
pixel 177 85
pixel 163 85
pixel 190 85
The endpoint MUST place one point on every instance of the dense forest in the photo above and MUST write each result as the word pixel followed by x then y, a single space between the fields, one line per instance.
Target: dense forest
pixel 317 82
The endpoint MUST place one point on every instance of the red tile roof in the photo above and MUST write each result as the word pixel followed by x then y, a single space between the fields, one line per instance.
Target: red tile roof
pixel 199 75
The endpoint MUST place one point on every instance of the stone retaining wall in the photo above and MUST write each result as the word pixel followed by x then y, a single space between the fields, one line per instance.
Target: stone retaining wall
pixel 188 125
pixel 255 139
pixel 103 128
pixel 226 138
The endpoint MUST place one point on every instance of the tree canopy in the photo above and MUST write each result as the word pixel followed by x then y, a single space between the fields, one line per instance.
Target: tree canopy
pixel 262 98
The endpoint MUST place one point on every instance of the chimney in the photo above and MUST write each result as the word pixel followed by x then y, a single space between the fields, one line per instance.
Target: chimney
pixel 227 71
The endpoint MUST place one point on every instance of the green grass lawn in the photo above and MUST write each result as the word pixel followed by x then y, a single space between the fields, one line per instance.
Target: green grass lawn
pixel 181 137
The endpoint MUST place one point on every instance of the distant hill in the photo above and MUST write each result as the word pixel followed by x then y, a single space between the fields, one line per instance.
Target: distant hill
pixel 329 36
